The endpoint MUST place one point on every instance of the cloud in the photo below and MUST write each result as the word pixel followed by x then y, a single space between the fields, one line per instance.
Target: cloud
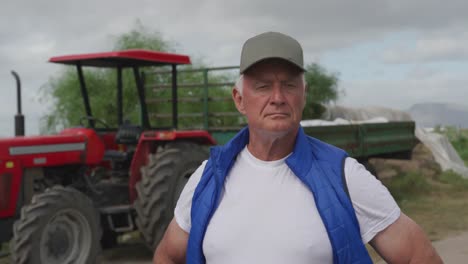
pixel 402 93
pixel 33 31
pixel 451 45
pixel 320 24
pixel 421 72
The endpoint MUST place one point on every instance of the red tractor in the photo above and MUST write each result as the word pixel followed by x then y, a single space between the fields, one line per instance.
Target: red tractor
pixel 64 196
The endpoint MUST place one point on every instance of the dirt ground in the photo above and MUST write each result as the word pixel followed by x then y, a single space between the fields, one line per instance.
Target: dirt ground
pixel 453 250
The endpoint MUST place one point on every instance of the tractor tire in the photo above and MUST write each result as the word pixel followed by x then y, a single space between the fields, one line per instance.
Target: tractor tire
pixel 162 181
pixel 60 225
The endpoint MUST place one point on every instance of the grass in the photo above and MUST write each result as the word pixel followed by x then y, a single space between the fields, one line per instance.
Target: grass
pixel 459 139
pixel 439 204
pixel 453 179
pixel 407 186
pixel 461 145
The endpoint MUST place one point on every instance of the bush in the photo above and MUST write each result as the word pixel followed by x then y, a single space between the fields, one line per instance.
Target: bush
pixel 453 179
pixel 461 145
pixel 459 139
pixel 407 185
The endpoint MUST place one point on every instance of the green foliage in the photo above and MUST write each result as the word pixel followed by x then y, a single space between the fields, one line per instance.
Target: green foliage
pixel 461 146
pixel 191 94
pixel 141 37
pixel 452 178
pixel 412 185
pixel 408 185
pixel 64 90
pixel 322 88
pixel 68 109
pixel 458 138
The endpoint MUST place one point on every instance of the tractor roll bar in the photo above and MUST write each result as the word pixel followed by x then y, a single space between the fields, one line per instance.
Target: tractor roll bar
pixel 174 96
pixel 141 96
pixel 84 93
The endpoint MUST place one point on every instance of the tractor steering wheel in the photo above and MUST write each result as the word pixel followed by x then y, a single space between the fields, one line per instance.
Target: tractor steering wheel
pixel 96 120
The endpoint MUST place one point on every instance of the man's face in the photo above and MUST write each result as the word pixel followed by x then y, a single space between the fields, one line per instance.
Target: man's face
pixel 273 97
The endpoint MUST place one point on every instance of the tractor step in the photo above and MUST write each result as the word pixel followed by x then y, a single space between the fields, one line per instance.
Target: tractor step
pixel 119 217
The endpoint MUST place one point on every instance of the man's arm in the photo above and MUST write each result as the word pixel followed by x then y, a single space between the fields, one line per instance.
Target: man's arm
pixel 173 247
pixel 404 242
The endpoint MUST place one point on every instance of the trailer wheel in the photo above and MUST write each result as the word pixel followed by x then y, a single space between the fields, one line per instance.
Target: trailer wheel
pixel 60 225
pixel 162 181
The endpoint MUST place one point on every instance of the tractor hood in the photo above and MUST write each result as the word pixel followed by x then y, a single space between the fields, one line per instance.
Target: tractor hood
pixel 68 147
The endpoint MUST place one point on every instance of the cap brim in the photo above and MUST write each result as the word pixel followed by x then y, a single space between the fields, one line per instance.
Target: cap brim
pixel 247 67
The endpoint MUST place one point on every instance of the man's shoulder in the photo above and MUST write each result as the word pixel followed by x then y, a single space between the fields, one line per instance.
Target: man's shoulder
pixel 325 151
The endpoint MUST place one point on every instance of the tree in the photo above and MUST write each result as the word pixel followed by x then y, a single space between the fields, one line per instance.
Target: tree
pixel 322 88
pixel 63 90
pixel 67 109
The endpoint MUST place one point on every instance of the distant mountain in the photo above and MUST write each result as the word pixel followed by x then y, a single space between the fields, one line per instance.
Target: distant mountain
pixel 433 114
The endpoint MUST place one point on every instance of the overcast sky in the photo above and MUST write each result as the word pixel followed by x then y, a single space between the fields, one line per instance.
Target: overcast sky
pixel 387 53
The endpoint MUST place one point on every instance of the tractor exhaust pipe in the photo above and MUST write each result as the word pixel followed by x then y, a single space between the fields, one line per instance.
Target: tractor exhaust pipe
pixel 19 117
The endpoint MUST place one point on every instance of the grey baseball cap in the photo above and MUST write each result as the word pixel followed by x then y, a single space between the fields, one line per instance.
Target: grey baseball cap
pixel 271 45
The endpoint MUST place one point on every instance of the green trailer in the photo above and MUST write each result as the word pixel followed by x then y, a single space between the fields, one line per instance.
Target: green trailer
pixel 204 102
pixel 363 141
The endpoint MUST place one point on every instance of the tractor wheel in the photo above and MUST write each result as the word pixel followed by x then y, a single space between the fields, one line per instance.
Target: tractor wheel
pixel 60 225
pixel 162 181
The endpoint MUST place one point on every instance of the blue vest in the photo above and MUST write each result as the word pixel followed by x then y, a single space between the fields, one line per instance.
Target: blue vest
pixel 318 165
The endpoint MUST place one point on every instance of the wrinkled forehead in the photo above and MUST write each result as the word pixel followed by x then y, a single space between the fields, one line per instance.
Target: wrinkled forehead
pixel 270 68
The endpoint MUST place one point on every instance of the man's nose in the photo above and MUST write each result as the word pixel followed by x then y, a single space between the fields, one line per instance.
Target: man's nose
pixel 277 96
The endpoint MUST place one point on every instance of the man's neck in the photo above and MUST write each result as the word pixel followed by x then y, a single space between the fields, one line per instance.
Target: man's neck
pixel 271 147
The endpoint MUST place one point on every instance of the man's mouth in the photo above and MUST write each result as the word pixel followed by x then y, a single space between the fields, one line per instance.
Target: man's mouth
pixel 277 115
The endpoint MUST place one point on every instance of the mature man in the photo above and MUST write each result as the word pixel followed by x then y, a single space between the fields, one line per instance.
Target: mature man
pixel 274 195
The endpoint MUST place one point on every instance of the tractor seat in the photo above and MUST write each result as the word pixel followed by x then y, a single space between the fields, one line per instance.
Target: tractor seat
pixel 128 134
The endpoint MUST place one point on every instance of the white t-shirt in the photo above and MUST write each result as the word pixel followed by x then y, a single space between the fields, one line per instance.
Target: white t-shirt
pixel 267 215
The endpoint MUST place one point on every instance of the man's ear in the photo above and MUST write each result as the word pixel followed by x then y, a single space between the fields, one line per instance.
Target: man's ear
pixel 238 100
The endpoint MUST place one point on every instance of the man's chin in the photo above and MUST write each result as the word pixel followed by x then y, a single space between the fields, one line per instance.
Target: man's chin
pixel 281 128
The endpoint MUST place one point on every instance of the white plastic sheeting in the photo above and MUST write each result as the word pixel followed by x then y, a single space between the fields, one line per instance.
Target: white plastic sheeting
pixel 341 121
pixel 444 153
pixel 360 114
